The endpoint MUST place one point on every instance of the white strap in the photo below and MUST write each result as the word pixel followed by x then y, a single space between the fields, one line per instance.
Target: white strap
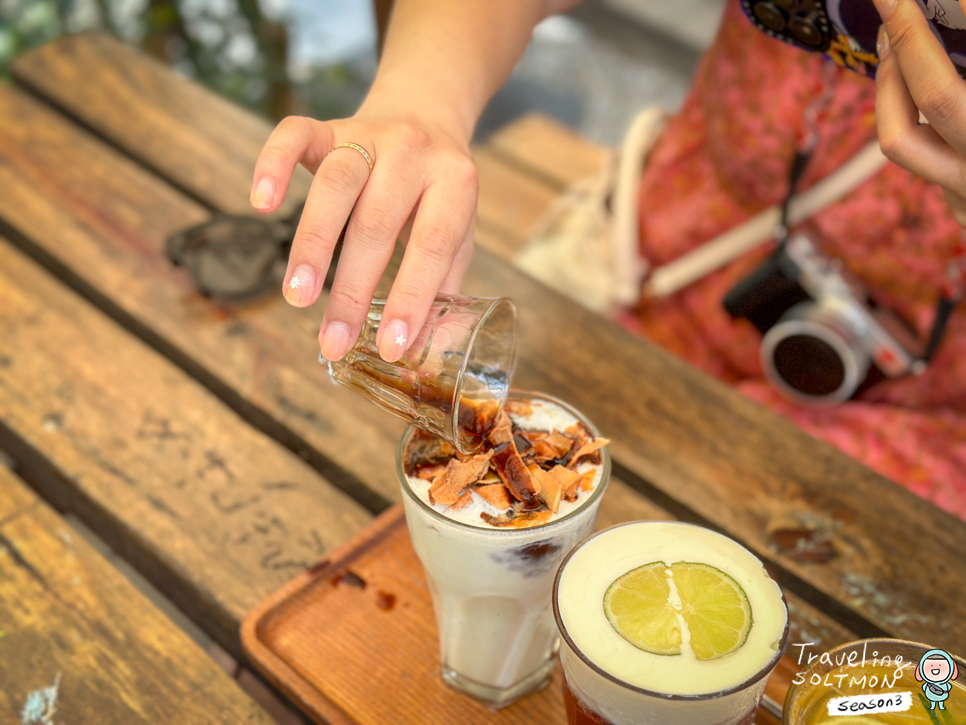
pixel 760 228
pixel 630 267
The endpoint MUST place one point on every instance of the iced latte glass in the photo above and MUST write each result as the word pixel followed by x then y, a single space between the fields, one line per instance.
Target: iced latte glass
pixel 666 623
pixel 490 556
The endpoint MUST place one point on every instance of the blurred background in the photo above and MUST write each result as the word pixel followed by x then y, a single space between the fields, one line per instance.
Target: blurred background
pixel 592 69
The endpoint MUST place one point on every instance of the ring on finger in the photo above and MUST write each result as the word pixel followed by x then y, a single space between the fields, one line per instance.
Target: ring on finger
pixel 357 147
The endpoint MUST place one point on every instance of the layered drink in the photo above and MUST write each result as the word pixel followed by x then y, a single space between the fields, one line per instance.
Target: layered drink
pixel 905 682
pixel 491 529
pixel 666 623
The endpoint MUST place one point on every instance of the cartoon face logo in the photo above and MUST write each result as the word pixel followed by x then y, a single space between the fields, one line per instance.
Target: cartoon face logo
pixel 935 670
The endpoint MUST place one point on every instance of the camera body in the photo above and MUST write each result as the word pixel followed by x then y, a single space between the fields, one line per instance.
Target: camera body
pixel 824 338
pixel 846 30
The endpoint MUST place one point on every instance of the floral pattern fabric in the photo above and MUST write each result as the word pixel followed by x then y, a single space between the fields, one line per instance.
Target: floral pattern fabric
pixel 725 157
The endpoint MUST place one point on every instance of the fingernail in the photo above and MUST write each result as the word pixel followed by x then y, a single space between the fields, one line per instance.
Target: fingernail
pixel 882 45
pixel 335 341
pixel 394 339
pixel 885 5
pixel 263 195
pixel 301 286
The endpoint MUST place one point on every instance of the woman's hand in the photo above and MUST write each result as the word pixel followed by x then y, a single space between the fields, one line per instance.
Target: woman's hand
pixel 914 75
pixel 415 168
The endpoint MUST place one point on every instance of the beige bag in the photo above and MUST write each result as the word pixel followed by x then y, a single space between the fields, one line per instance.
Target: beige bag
pixel 587 246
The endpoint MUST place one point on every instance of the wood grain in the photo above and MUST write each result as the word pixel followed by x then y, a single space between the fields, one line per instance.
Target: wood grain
pixel 511 204
pixel 539 147
pixel 70 618
pixel 700 449
pixel 205 144
pixel 88 209
pixel 215 513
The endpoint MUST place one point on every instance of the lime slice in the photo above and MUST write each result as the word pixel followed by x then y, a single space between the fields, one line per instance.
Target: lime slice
pixel 639 605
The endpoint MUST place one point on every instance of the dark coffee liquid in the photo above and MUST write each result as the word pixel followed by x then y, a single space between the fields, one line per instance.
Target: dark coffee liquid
pixel 579 714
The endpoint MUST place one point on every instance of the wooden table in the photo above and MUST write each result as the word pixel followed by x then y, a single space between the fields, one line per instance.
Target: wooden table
pixel 205 445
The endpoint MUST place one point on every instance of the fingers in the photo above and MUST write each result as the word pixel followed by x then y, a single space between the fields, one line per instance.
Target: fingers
pixel 335 188
pixel 379 215
pixel 933 82
pixel 294 139
pixel 440 229
pixel 918 148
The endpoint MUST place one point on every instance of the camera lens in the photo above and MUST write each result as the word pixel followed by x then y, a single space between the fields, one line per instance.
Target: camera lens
pixel 815 353
pixel 770 16
pixel 809 365
pixel 804 30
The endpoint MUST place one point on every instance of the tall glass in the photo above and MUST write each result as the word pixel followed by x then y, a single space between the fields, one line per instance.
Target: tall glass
pixel 459 364
pixel 873 667
pixel 491 588
pixel 609 681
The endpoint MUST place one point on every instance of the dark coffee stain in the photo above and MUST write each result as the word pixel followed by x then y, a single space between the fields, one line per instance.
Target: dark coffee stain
pixel 385 601
pixel 804 545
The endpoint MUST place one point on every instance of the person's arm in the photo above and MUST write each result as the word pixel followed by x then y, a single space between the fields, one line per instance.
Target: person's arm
pixel 441 62
pixel 914 75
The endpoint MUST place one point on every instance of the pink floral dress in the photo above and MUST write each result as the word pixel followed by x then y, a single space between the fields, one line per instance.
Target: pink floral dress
pixel 726 156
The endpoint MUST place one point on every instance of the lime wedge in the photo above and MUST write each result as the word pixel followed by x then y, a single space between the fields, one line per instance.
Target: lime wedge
pixel 640 606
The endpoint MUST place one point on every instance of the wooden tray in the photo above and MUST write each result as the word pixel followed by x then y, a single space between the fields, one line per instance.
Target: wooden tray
pixel 353 641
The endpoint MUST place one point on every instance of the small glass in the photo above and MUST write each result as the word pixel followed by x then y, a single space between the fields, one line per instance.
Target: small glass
pixel 454 379
pixel 841 673
pixel 596 696
pixel 492 588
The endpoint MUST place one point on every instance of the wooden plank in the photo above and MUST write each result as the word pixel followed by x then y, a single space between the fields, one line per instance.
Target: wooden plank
pixel 511 204
pixel 105 220
pixel 72 622
pixel 544 149
pixel 216 514
pixel 718 458
pixel 205 144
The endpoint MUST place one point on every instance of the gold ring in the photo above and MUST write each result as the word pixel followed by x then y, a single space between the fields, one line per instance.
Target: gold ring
pixel 357 147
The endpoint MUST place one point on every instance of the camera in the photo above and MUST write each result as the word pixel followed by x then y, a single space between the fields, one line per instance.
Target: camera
pixel 824 338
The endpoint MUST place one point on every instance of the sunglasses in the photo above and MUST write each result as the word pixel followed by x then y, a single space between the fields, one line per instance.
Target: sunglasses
pixel 235 257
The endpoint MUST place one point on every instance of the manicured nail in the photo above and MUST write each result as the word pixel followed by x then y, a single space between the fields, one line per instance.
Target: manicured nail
pixel 394 339
pixel 335 341
pixel 263 195
pixel 882 45
pixel 301 286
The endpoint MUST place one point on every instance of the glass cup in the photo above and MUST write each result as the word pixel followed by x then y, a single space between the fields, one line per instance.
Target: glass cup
pixel 609 681
pixel 491 588
pixel 455 377
pixel 872 667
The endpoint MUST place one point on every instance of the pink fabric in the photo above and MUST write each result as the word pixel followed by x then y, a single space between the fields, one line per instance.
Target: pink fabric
pixel 725 157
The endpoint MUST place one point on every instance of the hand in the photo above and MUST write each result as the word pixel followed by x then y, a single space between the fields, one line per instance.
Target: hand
pixel 416 169
pixel 914 75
